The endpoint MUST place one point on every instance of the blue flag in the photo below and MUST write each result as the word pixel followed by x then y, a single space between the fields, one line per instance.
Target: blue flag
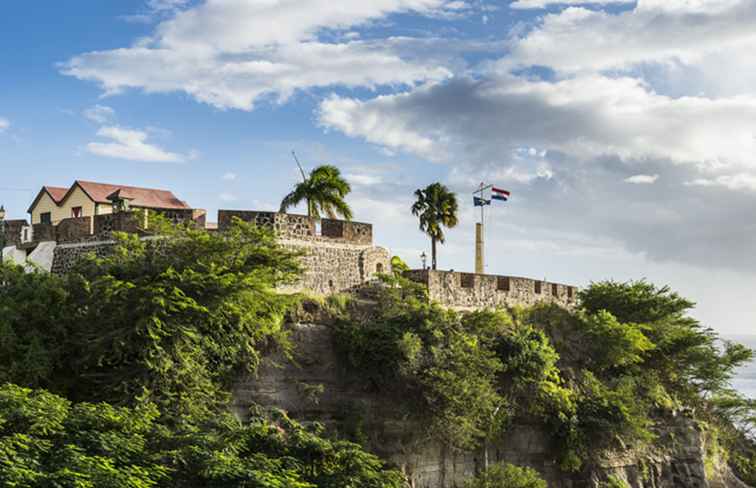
pixel 481 202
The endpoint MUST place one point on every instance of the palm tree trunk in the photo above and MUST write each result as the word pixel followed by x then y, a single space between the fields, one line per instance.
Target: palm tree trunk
pixel 433 253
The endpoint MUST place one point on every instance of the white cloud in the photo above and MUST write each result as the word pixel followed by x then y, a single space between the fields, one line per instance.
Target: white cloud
pixel 229 176
pixel 739 181
pixel 132 145
pixel 364 179
pixel 667 35
pixel 163 5
pixel 227 197
pixel 4 124
pixel 230 53
pixel 532 4
pixel 642 179
pixel 587 116
pixel 100 114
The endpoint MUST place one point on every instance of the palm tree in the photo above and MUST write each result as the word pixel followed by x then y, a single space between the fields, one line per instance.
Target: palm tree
pixel 323 191
pixel 436 207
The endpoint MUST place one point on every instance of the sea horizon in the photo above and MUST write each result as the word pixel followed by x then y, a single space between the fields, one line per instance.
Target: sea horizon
pixel 745 377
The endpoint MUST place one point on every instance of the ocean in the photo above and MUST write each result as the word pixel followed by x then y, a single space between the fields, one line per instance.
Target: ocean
pixel 745 379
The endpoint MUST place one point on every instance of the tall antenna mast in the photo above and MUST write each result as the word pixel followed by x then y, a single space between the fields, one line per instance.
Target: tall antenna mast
pixel 304 177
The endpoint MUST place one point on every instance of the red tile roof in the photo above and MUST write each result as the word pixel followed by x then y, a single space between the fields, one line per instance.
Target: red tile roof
pixel 139 197
pixel 56 193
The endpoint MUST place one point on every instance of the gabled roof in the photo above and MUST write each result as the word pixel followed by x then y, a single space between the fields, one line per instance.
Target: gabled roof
pixel 138 197
pixel 56 193
pixel 100 193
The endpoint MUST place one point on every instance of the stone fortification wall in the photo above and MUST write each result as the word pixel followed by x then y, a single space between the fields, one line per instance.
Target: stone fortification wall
pixel 469 290
pixel 333 267
pixel 302 227
pixel 66 255
pixel 337 256
pixel 73 229
pixel 328 267
pixel 12 231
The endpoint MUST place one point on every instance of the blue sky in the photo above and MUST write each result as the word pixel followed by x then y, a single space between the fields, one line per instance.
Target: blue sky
pixel 625 130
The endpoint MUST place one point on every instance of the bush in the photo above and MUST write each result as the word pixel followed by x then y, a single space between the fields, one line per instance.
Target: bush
pixel 47 441
pixel 438 362
pixel 507 476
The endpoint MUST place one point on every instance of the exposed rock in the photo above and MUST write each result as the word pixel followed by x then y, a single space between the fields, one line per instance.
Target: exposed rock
pixel 295 388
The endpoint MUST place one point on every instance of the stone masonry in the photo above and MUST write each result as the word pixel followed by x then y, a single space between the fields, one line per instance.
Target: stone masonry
pixel 469 290
pixel 338 256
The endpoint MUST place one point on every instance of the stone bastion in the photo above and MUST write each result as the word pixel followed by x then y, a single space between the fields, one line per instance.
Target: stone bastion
pixel 337 256
pixel 470 291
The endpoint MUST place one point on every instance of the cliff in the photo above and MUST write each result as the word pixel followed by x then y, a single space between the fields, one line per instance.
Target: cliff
pixel 317 388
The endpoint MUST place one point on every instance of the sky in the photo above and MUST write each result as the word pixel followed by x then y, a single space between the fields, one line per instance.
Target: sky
pixel 626 131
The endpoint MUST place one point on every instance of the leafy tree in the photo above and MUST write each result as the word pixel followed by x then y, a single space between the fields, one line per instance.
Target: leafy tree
pixel 398 266
pixel 324 191
pixel 173 320
pixel 33 326
pixel 507 476
pixel 46 441
pixel 437 361
pixel 436 207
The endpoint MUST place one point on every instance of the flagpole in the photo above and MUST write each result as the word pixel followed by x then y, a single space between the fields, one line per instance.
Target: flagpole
pixel 480 232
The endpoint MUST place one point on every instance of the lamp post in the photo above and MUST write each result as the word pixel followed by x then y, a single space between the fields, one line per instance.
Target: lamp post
pixel 424 257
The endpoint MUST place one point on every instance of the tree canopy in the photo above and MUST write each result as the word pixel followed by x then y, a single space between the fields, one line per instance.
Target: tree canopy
pixel 324 191
pixel 435 207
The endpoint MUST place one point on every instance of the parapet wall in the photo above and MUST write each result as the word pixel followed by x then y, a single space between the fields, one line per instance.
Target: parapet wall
pixel 302 227
pixel 13 232
pixel 469 290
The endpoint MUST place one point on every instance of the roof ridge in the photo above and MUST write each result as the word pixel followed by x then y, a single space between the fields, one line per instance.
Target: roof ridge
pixel 120 186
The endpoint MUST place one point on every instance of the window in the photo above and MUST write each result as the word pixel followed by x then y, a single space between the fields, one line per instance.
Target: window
pixel 467 280
pixel 570 292
pixel 554 289
pixel 538 287
pixel 503 283
pixel 45 218
pixel 379 268
pixel 76 212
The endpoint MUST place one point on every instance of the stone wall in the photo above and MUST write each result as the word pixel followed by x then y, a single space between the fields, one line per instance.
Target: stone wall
pixel 302 227
pixel 74 229
pixel 66 255
pixel 286 226
pixel 43 232
pixel 469 290
pixel 12 230
pixel 131 222
pixel 355 232
pixel 429 465
pixel 336 267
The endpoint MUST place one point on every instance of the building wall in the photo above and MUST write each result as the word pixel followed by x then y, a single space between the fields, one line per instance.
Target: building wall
pixel 77 198
pixel 469 290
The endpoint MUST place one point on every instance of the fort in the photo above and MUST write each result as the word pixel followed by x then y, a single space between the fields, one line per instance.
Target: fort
pixel 337 256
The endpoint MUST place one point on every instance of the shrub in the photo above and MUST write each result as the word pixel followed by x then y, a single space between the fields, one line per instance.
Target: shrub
pixel 507 476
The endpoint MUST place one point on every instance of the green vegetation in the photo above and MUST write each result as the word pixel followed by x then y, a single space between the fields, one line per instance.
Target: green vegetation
pixel 324 191
pixel 436 207
pixel 507 476
pixel 46 441
pixel 598 378
pixel 125 363
pixel 118 374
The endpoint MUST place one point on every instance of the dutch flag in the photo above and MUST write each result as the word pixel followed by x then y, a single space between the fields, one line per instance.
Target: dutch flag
pixel 499 194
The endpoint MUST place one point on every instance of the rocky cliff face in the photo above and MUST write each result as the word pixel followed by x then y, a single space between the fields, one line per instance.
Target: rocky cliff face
pixel 318 389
